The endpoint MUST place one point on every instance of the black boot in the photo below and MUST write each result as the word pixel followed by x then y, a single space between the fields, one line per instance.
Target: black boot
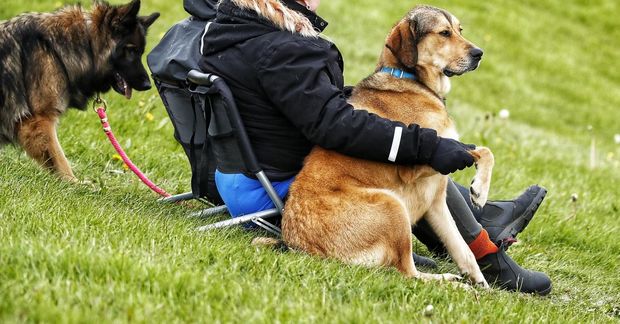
pixel 421 261
pixel 504 219
pixel 501 271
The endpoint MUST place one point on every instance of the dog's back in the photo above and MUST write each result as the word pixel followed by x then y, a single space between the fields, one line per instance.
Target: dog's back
pixel 36 47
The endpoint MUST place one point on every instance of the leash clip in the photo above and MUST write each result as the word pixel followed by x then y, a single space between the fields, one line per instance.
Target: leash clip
pixel 99 102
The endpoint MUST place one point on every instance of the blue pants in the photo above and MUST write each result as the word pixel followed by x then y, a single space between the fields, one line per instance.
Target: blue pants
pixel 243 195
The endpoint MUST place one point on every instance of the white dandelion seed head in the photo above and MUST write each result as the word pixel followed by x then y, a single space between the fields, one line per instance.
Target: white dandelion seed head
pixel 617 138
pixel 504 114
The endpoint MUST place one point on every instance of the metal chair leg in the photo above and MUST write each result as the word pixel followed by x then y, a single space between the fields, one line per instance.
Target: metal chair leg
pixel 241 220
pixel 178 198
pixel 184 197
pixel 267 226
pixel 205 213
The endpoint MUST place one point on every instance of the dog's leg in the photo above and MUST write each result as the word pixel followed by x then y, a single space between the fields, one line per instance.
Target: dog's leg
pixel 393 247
pixel 482 180
pixel 37 135
pixel 438 216
pixel 391 221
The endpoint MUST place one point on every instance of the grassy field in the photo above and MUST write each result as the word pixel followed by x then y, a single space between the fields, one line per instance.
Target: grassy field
pixel 109 252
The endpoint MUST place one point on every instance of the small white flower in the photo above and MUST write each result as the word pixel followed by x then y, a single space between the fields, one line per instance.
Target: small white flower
pixel 504 114
pixel 428 310
pixel 617 138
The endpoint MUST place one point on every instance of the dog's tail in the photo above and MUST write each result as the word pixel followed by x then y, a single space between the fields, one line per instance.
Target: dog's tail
pixel 270 242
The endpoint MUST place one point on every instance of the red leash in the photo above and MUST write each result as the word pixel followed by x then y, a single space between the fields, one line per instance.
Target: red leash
pixel 101 111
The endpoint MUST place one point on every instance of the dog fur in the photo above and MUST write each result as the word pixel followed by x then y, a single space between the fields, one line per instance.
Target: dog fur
pixel 360 211
pixel 52 61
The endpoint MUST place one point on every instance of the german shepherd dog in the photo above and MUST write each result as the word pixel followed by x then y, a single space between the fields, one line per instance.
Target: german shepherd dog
pixel 361 212
pixel 52 61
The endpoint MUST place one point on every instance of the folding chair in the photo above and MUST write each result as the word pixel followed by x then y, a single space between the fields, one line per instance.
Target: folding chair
pixel 231 143
pixel 186 112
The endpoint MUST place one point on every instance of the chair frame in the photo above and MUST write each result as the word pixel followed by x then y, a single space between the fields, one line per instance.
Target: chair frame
pixel 197 79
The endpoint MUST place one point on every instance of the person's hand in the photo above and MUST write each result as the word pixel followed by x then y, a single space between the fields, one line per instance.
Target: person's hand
pixel 451 155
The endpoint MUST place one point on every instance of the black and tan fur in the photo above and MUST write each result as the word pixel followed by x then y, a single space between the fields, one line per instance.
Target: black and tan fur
pixel 52 61
pixel 361 212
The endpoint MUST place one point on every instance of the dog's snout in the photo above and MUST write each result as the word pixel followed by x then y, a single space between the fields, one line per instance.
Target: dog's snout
pixel 145 85
pixel 476 53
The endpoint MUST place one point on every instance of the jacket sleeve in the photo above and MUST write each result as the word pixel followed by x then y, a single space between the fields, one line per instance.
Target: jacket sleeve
pixel 295 78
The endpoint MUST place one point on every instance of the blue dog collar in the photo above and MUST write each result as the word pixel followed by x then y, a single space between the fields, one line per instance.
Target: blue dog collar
pixel 398 73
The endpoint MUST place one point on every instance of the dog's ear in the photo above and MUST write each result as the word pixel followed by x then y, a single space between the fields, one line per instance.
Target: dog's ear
pixel 147 21
pixel 125 16
pixel 401 43
pixel 130 10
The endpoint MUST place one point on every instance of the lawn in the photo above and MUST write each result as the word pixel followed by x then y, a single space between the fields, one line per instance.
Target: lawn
pixel 109 252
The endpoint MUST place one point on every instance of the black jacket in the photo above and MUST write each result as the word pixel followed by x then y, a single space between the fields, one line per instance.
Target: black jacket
pixel 289 90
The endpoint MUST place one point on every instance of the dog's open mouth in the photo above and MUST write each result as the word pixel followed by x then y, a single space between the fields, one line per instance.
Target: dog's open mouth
pixel 121 86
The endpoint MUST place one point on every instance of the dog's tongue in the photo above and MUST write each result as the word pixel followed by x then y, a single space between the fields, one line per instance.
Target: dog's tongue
pixel 128 91
pixel 122 86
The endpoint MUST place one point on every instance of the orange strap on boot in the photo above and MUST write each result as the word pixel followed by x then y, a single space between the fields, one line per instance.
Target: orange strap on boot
pixel 482 245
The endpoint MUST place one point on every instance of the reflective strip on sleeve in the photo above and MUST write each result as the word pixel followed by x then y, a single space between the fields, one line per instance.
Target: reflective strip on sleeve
pixel 398 133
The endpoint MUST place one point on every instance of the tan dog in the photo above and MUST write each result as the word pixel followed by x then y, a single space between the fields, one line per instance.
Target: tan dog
pixel 361 211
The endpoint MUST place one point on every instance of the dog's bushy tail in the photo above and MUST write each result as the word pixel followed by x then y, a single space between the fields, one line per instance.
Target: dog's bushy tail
pixel 270 242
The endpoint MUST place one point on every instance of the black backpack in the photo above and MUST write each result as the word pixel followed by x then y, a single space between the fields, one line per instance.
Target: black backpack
pixel 176 54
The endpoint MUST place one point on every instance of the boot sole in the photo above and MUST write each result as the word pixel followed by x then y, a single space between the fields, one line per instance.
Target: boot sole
pixel 519 224
pixel 544 292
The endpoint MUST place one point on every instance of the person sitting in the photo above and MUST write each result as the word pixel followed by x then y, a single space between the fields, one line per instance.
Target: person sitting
pixel 289 88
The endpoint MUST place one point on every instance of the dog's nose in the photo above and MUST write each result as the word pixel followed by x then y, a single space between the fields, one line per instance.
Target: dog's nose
pixel 476 53
pixel 146 85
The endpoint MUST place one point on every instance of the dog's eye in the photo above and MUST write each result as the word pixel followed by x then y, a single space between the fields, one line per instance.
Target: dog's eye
pixel 461 30
pixel 445 33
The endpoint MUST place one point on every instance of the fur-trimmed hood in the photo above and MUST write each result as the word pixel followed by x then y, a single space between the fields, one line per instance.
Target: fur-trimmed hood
pixel 238 21
pixel 281 15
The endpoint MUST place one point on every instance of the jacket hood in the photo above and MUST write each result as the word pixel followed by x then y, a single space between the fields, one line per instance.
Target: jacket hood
pixel 240 20
pixel 203 9
pixel 279 14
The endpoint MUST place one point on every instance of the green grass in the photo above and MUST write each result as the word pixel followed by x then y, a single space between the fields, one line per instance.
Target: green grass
pixel 109 252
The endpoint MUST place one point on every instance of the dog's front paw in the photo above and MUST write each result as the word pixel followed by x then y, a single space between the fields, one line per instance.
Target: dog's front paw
pixel 450 277
pixel 482 284
pixel 479 193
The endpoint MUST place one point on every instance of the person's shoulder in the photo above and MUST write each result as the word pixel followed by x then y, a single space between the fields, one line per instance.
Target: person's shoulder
pixel 286 43
pixel 288 39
